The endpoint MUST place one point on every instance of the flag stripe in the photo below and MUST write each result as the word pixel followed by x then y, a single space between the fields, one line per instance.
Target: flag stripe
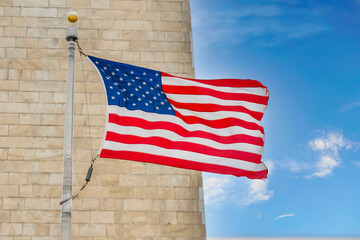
pixel 174 81
pixel 176 162
pixel 165 134
pixel 181 131
pixel 232 130
pixel 206 107
pixel 235 83
pixel 220 123
pixel 192 90
pixel 184 146
pixel 181 154
pixel 219 115
pixel 212 100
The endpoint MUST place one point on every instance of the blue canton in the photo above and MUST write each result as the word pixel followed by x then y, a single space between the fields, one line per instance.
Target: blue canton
pixel 133 87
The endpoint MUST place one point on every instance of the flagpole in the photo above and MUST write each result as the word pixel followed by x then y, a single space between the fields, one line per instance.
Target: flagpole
pixel 66 207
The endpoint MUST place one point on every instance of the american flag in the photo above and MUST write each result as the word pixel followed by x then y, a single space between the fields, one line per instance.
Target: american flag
pixel 206 125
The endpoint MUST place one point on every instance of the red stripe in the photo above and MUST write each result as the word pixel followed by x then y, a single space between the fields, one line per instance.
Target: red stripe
pixel 194 90
pixel 175 162
pixel 144 124
pixel 223 82
pixel 206 107
pixel 184 146
pixel 220 123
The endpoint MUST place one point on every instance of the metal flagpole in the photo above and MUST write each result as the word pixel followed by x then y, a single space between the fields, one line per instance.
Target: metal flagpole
pixel 66 207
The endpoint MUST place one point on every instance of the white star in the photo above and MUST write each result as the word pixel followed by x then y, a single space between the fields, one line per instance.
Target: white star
pixel 150 101
pixel 117 69
pixel 133 80
pixel 125 75
pixel 139 99
pixel 113 73
pixel 169 108
pixel 136 89
pixel 137 77
pixel 144 73
pixel 154 98
pixel 124 89
pixel 140 87
pixel 144 83
pixel 129 84
pixel 112 97
pixel 147 92
pixel 151 88
pixel 146 104
pixel 143 95
pixel 105 68
pixel 156 74
pixel 121 79
pixel 159 94
pixel 165 100
pixel 97 62
pixel 118 93
pixel 162 103
pixel 111 87
pixel 151 79
pixel 107 78
pixel 157 85
pixel 132 72
pixel 124 99
pixel 157 108
pixel 134 104
pixel 116 84
pixel 131 94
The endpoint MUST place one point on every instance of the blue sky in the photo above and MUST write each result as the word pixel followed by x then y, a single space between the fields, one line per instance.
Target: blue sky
pixel 307 53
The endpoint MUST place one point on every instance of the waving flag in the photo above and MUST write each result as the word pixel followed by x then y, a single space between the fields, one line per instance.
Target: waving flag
pixel 205 125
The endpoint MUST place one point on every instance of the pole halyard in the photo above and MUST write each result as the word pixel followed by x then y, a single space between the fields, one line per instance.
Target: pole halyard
pixel 66 207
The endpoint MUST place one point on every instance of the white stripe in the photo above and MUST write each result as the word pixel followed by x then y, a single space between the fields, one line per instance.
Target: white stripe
pixel 184 98
pixel 190 156
pixel 183 82
pixel 169 135
pixel 218 115
pixel 121 111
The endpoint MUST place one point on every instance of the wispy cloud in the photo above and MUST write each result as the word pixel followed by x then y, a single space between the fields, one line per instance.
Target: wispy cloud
pixel 295 166
pixel 357 163
pixel 221 190
pixel 349 106
pixel 265 24
pixel 328 148
pixel 285 216
pixel 215 189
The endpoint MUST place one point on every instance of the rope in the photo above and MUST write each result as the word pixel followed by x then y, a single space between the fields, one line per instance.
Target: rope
pixel 86 98
pixel 87 180
pixel 80 49
pixel 90 170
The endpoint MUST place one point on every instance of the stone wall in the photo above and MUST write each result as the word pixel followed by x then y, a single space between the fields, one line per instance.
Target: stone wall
pixel 124 200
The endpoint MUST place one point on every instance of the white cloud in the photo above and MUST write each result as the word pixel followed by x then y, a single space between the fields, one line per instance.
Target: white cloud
pixel 284 216
pixel 257 191
pixel 328 148
pixel 223 189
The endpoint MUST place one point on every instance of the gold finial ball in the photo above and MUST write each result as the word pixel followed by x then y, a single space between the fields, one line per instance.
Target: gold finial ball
pixel 72 17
